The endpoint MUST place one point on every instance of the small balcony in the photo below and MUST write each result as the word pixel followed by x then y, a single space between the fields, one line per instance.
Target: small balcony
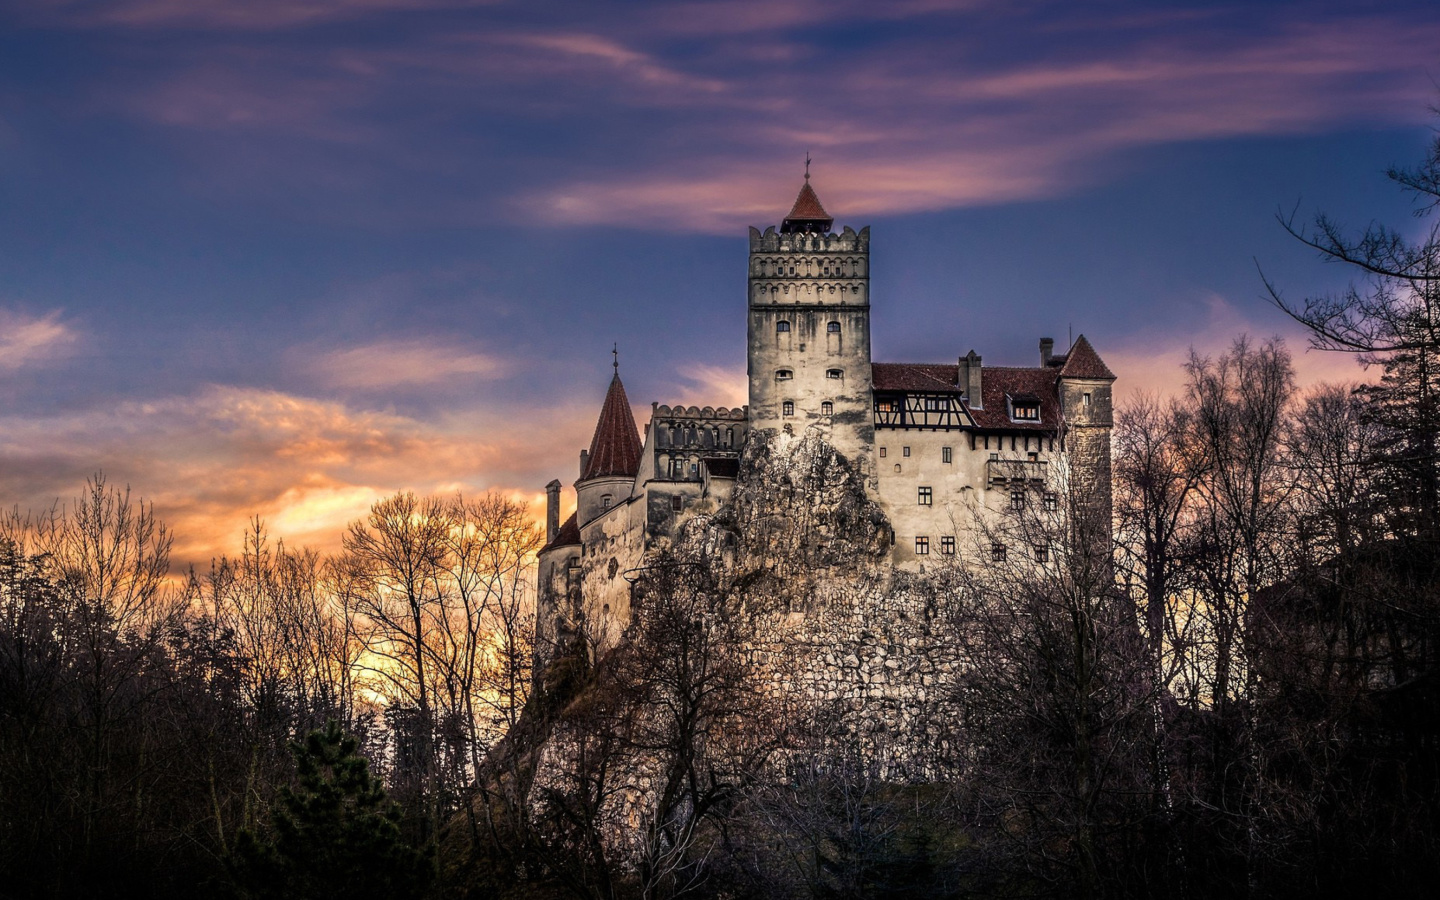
pixel 1014 473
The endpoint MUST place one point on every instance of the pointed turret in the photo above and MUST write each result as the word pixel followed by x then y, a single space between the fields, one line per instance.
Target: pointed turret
pixel 615 448
pixel 807 214
pixel 1083 362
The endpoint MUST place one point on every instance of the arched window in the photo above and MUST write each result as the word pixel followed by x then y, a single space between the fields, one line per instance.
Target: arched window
pixel 833 328
pixel 827 408
pixel 782 326
pixel 783 374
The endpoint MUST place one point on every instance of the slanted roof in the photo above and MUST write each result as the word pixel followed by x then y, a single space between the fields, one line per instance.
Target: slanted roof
pixel 1083 362
pixel 928 377
pixel 615 448
pixel 996 383
pixel 807 214
pixel 567 536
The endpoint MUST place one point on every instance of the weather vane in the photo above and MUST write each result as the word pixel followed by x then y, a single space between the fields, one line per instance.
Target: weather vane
pixel 615 352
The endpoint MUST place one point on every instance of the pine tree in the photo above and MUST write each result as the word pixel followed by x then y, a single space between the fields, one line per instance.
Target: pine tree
pixel 335 834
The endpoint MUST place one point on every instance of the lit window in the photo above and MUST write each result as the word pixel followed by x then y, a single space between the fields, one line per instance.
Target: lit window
pixel 1042 554
pixel 997 552
pixel 834 328
pixel 827 408
pixel 1027 412
pixel 882 452
pixel 925 496
pixel 782 326
pixel 1085 400
pixel 787 408
pixel 947 545
pixel 904 451
pixel 1017 499
pixel 783 374
pixel 922 546
pixel 1052 502
pixel 832 373
pixel 946 455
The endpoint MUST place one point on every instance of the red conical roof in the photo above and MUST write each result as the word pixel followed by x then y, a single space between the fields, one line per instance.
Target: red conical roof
pixel 615 448
pixel 807 214
pixel 1083 362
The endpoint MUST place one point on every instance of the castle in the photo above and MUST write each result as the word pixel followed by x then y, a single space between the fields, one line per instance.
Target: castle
pixel 935 443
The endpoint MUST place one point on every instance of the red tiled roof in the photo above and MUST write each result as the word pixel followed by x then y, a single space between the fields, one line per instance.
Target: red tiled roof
pixel 1083 362
pixel 807 205
pixel 914 377
pixel 615 448
pixel 996 382
pixel 567 536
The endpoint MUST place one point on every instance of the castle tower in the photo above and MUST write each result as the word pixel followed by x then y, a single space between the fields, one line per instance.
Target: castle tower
pixel 809 328
pixel 1085 405
pixel 607 469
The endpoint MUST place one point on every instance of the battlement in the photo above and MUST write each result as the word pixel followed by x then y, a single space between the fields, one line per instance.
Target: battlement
pixel 847 241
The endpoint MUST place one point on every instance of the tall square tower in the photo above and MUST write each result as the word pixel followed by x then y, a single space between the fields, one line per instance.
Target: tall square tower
pixel 809 329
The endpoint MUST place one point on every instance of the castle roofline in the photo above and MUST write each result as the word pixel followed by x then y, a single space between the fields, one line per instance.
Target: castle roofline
pixel 615 448
pixel 1083 362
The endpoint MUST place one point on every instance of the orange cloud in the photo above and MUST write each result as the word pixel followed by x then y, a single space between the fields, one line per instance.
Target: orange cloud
pixel 386 364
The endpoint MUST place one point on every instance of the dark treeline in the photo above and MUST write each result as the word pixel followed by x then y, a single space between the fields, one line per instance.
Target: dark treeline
pixel 146 725
pixel 1228 689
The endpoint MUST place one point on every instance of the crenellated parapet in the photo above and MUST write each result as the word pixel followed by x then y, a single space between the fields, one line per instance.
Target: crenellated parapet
pixel 683 437
pixel 847 241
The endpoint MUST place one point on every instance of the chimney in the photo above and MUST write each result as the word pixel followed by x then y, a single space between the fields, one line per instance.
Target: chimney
pixel 1047 346
pixel 552 510
pixel 969 380
pixel 584 462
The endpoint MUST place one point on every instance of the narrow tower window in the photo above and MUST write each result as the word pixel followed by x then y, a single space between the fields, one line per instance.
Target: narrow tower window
pixel 787 408
pixel 946 455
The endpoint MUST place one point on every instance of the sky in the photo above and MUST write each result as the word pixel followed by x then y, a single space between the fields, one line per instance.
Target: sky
pixel 281 258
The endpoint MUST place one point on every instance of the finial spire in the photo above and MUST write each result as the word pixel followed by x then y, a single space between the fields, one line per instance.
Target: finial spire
pixel 807 165
pixel 615 352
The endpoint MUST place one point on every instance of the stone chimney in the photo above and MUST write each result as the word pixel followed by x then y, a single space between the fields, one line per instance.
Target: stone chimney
pixel 584 462
pixel 1047 347
pixel 552 510
pixel 968 380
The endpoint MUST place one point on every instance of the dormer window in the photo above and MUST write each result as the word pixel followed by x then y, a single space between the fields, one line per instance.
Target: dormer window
pixel 1023 407
pixel 784 374
pixel 782 326
pixel 833 373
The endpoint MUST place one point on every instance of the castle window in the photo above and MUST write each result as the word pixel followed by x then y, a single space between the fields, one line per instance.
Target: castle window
pixel 827 408
pixel 1042 554
pixel 605 502
pixel 729 437
pixel 994 456
pixel 947 545
pixel 926 494
pixel 784 375
pixel 882 452
pixel 677 503
pixel 997 552
pixel 1052 502
pixel 1025 411
pixel 1085 400
pixel 936 404
pixel 884 406
pixel 946 455
pixel 834 328
pixel 904 451
pixel 897 467
pixel 922 546
pixel 1017 499
pixel 792 270
pixel 833 373
pixel 782 325
pixel 787 408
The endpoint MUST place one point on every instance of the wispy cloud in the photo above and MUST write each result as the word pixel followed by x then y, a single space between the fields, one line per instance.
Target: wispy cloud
pixel 397 363
pixel 242 15
pixel 28 340
pixel 212 459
